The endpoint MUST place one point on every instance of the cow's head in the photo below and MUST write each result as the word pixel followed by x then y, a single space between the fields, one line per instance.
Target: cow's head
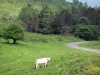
pixel 49 59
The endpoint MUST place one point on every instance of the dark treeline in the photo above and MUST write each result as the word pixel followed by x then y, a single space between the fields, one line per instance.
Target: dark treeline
pixel 41 1
pixel 76 20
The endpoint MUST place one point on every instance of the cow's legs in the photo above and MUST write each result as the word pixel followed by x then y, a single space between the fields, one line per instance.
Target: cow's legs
pixel 37 66
pixel 45 64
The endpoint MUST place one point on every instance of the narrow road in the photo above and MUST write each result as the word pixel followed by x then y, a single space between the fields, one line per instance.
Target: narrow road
pixel 75 46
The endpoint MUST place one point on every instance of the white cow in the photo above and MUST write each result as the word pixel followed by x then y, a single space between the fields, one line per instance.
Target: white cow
pixel 42 61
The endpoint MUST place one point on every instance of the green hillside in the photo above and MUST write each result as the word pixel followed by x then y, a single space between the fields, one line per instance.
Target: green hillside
pixel 12 7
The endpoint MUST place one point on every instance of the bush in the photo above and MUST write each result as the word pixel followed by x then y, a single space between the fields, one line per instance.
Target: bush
pixel 2 29
pixel 96 32
pixel 46 30
pixel 84 21
pixel 14 32
pixel 87 32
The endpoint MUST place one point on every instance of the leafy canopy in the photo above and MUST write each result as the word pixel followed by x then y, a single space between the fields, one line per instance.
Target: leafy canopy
pixel 14 32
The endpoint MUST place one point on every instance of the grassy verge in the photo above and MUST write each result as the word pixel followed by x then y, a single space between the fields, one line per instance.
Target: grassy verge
pixel 92 44
pixel 19 59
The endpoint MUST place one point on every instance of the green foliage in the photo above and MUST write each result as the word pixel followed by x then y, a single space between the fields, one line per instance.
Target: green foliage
pixel 32 11
pixel 1 32
pixel 84 21
pixel 39 38
pixel 6 18
pixel 87 32
pixel 76 2
pixel 46 16
pixel 27 15
pixel 14 32
pixel 96 32
pixel 62 22
pixel 67 17
pixel 94 69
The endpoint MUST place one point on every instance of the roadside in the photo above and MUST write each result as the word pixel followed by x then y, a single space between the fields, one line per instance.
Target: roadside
pixel 75 46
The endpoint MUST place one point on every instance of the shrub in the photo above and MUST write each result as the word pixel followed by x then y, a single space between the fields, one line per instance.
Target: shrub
pixel 2 29
pixel 87 32
pixel 94 69
pixel 14 32
pixel 96 32
pixel 84 21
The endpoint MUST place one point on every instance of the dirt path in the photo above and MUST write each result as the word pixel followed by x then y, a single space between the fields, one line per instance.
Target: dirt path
pixel 75 46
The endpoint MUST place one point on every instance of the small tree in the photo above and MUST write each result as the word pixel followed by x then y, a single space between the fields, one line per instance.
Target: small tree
pixel 14 32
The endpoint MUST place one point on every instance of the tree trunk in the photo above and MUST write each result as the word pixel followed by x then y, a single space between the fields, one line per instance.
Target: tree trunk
pixel 14 41
pixel 68 30
pixel 36 24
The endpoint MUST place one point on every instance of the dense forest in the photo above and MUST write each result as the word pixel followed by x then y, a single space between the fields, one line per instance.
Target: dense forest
pixel 56 17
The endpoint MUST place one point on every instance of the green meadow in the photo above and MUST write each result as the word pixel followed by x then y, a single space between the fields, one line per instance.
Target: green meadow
pixel 19 59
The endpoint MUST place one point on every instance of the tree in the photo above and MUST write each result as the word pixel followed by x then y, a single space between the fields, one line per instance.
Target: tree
pixel 76 2
pixel 87 32
pixel 62 22
pixel 82 7
pixel 29 17
pixel 69 20
pixel 85 5
pixel 1 32
pixel 45 16
pixel 55 25
pixel 84 21
pixel 91 14
pixel 14 32
pixel 98 17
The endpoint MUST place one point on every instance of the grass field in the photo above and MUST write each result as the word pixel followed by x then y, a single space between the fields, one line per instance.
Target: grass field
pixel 19 59
pixel 92 44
